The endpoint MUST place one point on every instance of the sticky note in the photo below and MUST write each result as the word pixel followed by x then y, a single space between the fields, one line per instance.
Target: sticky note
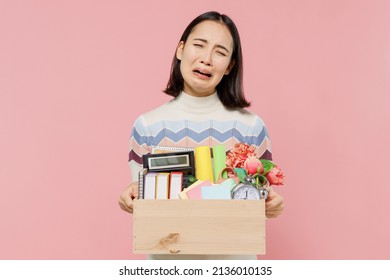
pixel 216 192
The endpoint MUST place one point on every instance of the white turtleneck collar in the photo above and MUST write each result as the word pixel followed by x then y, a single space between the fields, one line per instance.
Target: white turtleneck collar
pixel 195 104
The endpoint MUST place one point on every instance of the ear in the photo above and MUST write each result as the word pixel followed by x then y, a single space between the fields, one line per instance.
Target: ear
pixel 179 50
pixel 230 67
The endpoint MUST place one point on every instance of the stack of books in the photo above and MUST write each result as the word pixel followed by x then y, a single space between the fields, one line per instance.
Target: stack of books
pixel 162 185
pixel 164 175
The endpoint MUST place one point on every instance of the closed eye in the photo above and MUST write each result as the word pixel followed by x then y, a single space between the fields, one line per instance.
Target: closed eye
pixel 221 53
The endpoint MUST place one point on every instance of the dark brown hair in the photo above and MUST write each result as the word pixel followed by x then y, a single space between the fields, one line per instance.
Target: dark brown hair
pixel 230 89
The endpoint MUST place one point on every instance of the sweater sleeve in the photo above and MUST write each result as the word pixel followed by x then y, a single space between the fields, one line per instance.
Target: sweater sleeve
pixel 262 141
pixel 138 146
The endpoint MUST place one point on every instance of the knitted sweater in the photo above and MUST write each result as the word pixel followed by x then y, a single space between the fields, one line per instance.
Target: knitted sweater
pixel 189 121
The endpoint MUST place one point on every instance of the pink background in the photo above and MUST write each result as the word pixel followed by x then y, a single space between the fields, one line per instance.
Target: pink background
pixel 75 74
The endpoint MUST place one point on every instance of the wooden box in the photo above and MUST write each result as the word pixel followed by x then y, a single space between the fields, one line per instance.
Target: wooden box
pixel 199 227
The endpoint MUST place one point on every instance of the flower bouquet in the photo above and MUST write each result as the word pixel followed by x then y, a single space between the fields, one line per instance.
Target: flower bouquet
pixel 261 173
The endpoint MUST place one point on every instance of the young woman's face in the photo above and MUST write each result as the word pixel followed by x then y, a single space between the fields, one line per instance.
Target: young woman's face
pixel 205 57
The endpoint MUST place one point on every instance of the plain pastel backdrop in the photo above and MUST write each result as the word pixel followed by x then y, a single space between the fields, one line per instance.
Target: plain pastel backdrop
pixel 74 75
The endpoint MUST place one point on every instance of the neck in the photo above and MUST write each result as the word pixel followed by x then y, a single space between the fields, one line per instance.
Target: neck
pixel 198 104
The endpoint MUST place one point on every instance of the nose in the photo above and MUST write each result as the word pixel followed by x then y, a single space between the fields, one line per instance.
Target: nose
pixel 206 59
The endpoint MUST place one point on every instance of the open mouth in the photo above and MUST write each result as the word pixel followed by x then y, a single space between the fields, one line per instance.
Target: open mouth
pixel 202 73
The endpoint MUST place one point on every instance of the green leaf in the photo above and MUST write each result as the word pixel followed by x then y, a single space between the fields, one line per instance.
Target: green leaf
pixel 267 165
pixel 241 173
pixel 261 180
pixel 192 179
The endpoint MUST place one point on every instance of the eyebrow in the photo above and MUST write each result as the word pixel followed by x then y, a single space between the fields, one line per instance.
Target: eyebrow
pixel 218 45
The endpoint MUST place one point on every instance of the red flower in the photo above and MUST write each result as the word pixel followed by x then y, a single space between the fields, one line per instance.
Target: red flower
pixel 253 165
pixel 241 158
pixel 238 154
pixel 275 176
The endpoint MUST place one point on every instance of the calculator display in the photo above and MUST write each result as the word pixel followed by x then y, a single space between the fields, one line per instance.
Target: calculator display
pixel 169 161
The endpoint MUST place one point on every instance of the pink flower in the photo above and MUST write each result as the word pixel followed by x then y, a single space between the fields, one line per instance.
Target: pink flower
pixel 238 154
pixel 275 176
pixel 253 165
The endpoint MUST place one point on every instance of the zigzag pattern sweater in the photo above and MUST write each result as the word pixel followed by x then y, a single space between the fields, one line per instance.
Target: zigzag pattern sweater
pixel 188 121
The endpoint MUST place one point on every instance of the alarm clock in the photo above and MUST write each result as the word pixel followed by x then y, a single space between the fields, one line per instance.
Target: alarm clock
pixel 246 191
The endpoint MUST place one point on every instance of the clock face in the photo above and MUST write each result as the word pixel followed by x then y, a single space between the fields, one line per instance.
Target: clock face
pixel 248 192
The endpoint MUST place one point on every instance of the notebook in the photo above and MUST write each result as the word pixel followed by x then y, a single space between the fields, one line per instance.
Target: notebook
pixel 162 185
pixel 175 185
pixel 141 176
pixel 150 185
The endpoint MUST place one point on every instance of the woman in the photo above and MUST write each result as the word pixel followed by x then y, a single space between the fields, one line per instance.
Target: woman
pixel 208 105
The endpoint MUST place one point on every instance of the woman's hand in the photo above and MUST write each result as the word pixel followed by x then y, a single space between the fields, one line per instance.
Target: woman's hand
pixel 274 204
pixel 127 197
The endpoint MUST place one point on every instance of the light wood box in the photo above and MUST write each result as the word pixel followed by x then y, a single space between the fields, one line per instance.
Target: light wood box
pixel 199 227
